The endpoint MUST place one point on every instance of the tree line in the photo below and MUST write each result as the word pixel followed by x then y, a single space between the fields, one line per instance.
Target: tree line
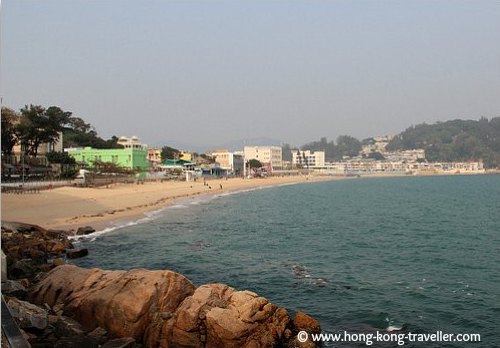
pixel 34 125
pixel 344 146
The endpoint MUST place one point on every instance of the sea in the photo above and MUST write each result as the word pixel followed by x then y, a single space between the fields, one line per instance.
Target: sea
pixel 394 255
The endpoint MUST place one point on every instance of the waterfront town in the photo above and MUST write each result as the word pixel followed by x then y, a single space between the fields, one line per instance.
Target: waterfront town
pixel 251 161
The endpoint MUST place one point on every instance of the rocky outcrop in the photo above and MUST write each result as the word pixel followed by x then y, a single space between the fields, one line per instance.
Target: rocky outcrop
pixel 219 316
pixel 29 248
pixel 125 303
pixel 164 309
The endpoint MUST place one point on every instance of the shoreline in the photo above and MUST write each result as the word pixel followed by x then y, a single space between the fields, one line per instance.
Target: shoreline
pixel 68 208
pixel 119 205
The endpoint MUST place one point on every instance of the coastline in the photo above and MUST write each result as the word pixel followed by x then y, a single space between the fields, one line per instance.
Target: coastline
pixel 117 205
pixel 102 208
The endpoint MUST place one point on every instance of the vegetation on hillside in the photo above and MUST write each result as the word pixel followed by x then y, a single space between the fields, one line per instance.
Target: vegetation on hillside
pixel 454 141
pixel 334 151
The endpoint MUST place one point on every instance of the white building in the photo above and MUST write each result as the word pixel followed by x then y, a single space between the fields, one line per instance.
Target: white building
pixel 133 142
pixel 308 158
pixel 405 155
pixel 267 155
pixel 224 158
pixel 378 145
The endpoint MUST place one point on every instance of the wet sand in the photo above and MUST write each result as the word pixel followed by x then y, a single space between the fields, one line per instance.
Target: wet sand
pixel 72 207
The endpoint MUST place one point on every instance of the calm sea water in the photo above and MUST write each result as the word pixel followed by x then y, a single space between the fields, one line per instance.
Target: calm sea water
pixel 419 253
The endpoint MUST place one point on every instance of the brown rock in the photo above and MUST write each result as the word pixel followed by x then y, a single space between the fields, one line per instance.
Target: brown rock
pixel 306 323
pixel 298 344
pixel 124 342
pixel 58 248
pixel 163 309
pixel 57 234
pixel 84 230
pixel 76 253
pixel 229 318
pixel 58 262
pixel 126 304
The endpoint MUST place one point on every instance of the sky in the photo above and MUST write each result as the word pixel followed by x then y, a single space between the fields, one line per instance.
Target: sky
pixel 204 73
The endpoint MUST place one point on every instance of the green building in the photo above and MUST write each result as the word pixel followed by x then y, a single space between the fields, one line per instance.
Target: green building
pixel 131 158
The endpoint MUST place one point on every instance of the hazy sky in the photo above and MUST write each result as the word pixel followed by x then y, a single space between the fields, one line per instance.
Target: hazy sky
pixel 207 72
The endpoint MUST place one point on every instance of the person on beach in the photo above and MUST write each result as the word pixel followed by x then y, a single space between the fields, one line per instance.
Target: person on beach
pixel 221 186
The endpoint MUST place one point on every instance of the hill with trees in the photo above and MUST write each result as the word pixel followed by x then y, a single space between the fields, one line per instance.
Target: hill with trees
pixel 334 151
pixel 454 141
pixel 450 141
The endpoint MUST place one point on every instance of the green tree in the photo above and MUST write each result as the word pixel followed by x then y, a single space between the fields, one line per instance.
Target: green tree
pixel 9 136
pixel 286 151
pixel 253 163
pixel 376 156
pixel 348 146
pixel 60 158
pixel 168 152
pixel 39 125
pixel 79 133
pixel 67 162
pixel 304 159
pixel 456 140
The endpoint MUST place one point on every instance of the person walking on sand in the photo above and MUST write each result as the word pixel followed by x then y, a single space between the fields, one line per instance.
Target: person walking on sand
pixel 221 186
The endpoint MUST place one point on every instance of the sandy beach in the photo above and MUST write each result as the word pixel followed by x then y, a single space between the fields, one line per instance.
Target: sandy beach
pixel 73 207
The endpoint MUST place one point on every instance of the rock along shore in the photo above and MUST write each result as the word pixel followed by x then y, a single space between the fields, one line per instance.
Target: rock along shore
pixel 72 306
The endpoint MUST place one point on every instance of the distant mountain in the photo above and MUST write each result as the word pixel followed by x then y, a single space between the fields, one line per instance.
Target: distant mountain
pixel 454 141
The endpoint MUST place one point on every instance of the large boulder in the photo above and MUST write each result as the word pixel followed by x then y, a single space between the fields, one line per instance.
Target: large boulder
pixel 219 316
pixel 125 303
pixel 164 309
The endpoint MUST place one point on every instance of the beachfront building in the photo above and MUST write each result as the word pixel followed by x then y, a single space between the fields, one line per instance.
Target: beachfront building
pixel 133 158
pixel 42 151
pixel 186 156
pixel 154 156
pixel 405 155
pixel 376 144
pixel 18 164
pixel 309 159
pixel 224 158
pixel 131 143
pixel 229 161
pixel 270 156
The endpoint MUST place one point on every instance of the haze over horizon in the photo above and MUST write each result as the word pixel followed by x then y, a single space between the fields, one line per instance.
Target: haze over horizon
pixel 210 72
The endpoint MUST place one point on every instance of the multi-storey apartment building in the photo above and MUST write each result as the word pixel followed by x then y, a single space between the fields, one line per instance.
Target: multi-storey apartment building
pixel 308 158
pixel 270 156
